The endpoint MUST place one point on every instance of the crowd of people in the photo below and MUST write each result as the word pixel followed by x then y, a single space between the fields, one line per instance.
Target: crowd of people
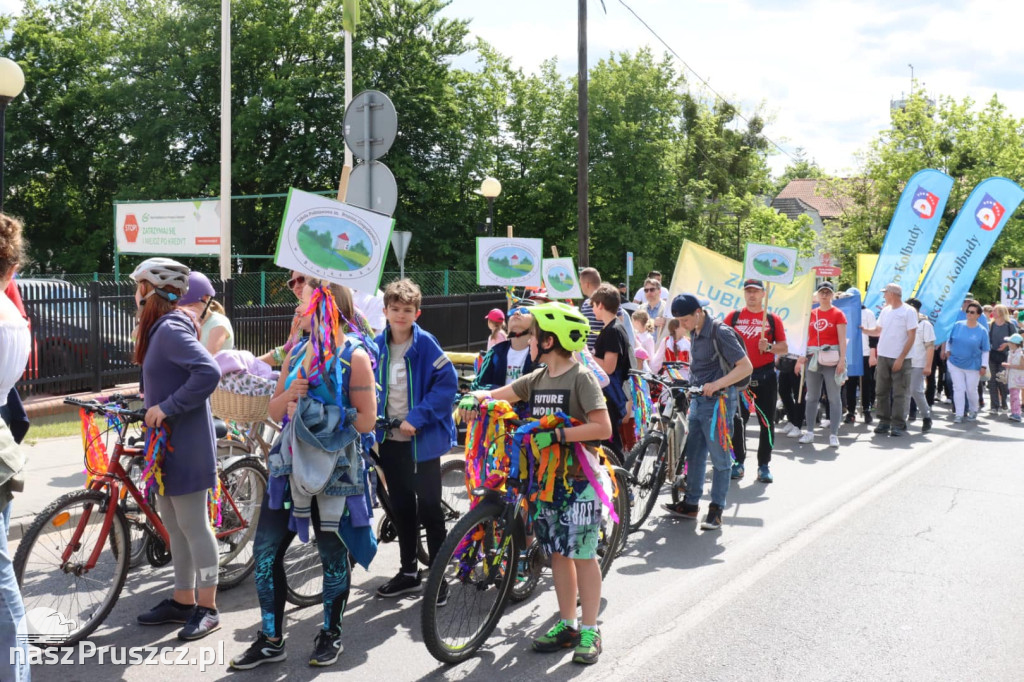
pixel 357 371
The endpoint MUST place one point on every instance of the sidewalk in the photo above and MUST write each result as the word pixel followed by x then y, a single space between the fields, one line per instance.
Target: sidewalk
pixel 55 466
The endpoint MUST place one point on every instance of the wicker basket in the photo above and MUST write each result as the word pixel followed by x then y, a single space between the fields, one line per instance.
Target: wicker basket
pixel 239 408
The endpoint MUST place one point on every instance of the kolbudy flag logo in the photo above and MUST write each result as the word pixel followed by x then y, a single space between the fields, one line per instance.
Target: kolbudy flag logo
pixel 924 203
pixel 910 236
pixel 989 213
pixel 964 249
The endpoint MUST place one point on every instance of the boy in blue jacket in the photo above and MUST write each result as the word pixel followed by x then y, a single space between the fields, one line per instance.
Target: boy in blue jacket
pixel 418 384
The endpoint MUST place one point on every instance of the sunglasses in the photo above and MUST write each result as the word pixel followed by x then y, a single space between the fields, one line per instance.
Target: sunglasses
pixel 300 281
pixel 651 290
pixel 521 310
pixel 972 310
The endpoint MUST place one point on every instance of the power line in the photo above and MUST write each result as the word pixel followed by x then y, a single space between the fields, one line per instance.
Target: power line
pixel 682 61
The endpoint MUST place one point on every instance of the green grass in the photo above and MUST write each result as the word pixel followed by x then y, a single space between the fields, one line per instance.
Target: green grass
pixel 510 272
pixel 60 428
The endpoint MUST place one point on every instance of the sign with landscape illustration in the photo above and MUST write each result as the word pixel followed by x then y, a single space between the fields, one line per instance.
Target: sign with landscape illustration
pixel 560 278
pixel 770 263
pixel 333 241
pixel 504 262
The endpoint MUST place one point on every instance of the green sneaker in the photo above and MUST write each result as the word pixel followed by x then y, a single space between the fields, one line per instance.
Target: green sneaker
pixel 589 647
pixel 559 637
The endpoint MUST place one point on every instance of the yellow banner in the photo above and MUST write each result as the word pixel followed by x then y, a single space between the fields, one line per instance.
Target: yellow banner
pixel 706 274
pixel 866 267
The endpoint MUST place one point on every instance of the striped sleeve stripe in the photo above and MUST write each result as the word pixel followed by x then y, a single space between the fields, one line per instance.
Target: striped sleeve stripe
pixel 441 361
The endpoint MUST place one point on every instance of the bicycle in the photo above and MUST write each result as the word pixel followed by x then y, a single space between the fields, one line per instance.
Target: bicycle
pixel 479 559
pixel 74 557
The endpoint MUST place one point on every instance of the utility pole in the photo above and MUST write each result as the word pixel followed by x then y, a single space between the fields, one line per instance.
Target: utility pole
pixel 583 144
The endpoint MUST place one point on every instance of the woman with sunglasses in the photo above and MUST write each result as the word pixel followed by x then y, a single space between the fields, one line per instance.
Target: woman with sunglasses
pixel 297 285
pixel 966 355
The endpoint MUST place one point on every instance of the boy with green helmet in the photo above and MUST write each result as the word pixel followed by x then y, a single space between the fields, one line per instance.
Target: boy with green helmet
pixel 569 525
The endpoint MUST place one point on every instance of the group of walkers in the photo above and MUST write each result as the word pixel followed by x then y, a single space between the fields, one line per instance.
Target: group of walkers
pixel 344 380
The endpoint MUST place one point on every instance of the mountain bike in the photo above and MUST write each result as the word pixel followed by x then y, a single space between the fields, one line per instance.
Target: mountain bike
pixel 479 560
pixel 74 557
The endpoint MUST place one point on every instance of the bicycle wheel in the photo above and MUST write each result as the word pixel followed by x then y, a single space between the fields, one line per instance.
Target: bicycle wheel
pixel 646 467
pixel 304 573
pixel 477 562
pixel 454 501
pixel 83 597
pixel 612 539
pixel 137 533
pixel 532 565
pixel 244 484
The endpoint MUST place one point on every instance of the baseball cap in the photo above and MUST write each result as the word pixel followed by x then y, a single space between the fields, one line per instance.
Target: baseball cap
pixel 968 296
pixel 687 304
pixel 753 284
pixel 496 315
pixel 892 288
pixel 827 285
pixel 1016 338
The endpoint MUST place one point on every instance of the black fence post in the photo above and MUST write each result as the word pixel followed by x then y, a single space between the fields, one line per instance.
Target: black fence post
pixel 229 298
pixel 95 348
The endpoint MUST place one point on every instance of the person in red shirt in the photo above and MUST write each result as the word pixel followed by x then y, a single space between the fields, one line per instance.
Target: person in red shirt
pixel 825 363
pixel 765 338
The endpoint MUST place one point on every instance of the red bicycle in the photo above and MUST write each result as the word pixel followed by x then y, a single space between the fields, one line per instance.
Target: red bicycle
pixel 75 556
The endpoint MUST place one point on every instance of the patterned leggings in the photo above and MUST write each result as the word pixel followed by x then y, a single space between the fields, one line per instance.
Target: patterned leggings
pixel 272 540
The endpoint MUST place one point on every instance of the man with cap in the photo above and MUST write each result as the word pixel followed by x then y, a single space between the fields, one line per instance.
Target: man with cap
pixel 765 338
pixel 896 331
pixel 718 361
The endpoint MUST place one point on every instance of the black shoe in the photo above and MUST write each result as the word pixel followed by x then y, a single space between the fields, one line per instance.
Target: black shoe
pixel 399 585
pixel 867 417
pixel 167 611
pixel 259 652
pixel 442 594
pixel 202 622
pixel 682 510
pixel 713 521
pixel 926 425
pixel 882 429
pixel 326 648
pixel 850 419
pixel 898 432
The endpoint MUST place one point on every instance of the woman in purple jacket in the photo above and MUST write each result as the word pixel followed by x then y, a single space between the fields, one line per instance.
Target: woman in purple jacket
pixel 178 376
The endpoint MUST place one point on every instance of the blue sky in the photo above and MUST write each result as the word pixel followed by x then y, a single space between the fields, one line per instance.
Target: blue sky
pixel 825 70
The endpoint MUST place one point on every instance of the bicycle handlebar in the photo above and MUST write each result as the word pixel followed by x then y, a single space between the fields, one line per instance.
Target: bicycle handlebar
pixel 97 407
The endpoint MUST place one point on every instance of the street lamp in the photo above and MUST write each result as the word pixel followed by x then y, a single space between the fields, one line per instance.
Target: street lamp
pixel 490 188
pixel 12 82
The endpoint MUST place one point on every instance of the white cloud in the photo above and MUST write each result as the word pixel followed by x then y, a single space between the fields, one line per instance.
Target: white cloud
pixel 826 70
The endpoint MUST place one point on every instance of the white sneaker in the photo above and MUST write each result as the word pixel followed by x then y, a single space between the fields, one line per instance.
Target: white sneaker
pixel 808 437
pixel 792 430
pixel 825 422
pixel 833 441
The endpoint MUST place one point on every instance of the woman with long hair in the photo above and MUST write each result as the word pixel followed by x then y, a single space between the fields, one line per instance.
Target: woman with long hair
pixel 1000 329
pixel 326 384
pixel 178 376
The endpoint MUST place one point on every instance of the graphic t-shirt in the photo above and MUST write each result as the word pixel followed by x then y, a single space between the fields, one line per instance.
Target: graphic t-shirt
pixel 748 326
pixel 398 386
pixel 823 329
pixel 514 367
pixel 575 392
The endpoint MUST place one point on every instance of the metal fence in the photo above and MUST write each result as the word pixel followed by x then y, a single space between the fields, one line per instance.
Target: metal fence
pixel 272 287
pixel 81 331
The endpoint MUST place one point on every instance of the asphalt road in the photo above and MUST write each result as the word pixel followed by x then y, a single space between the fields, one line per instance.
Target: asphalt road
pixel 887 559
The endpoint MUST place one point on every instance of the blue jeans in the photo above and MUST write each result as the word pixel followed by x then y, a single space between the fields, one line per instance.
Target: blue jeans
pixel 12 610
pixel 701 442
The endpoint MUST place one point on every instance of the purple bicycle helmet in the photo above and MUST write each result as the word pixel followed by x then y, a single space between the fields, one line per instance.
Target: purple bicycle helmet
pixel 198 286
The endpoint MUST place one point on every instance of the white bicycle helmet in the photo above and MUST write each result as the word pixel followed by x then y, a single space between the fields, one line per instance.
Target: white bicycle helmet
pixel 162 272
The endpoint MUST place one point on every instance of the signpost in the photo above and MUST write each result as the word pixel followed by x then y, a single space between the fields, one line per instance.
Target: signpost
pixel 629 270
pixel 400 243
pixel 826 269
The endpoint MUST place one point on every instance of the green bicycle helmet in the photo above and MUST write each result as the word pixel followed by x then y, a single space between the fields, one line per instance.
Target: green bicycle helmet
pixel 567 323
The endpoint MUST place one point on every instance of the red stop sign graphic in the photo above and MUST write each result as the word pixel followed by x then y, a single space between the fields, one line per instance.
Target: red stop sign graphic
pixel 131 228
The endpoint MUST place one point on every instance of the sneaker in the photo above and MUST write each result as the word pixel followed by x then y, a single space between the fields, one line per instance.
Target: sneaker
pixel 713 521
pixel 399 585
pixel 167 611
pixel 442 594
pixel 202 622
pixel 972 416
pixel 958 419
pixel 833 441
pixel 561 636
pixel 808 437
pixel 326 648
pixel 850 419
pixel 868 418
pixel 882 429
pixel 792 430
pixel 825 422
pixel 897 432
pixel 589 647
pixel 259 652
pixel 764 475
pixel 682 509
pixel 737 471
pixel 926 424
pixel 1014 417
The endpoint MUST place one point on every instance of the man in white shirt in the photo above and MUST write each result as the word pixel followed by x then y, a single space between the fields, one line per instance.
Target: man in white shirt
pixel 921 356
pixel 896 331
pixel 653 274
